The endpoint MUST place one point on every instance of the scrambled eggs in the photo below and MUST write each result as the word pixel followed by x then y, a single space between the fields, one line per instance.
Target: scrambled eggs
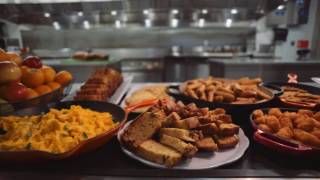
pixel 57 131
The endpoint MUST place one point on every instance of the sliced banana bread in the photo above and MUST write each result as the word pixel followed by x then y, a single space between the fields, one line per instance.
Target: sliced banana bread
pixel 158 153
pixel 186 149
pixel 143 128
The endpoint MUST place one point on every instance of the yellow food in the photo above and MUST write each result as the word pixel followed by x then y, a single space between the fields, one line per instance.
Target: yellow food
pixel 58 131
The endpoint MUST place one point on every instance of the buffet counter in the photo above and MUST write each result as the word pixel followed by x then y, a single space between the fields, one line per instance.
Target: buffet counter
pixel 267 69
pixel 109 161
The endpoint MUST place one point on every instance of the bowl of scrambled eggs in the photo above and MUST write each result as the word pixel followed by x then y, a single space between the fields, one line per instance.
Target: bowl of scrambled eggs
pixel 64 131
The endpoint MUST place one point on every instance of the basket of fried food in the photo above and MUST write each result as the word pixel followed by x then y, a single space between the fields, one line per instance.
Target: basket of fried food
pixel 216 92
pixel 170 133
pixel 294 131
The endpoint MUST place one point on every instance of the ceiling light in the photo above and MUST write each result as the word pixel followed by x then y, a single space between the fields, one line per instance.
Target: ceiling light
pixel 204 11
pixel 174 23
pixel 201 22
pixel 86 24
pixel 175 11
pixel 117 23
pixel 147 23
pixel 80 13
pixel 47 14
pixel 56 25
pixel 280 7
pixel 234 11
pixel 113 13
pixel 228 22
pixel 145 11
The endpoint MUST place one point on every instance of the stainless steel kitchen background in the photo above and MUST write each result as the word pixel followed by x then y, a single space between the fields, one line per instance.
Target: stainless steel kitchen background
pixel 170 40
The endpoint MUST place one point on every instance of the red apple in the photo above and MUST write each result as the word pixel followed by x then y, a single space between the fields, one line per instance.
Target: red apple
pixel 32 62
pixel 15 91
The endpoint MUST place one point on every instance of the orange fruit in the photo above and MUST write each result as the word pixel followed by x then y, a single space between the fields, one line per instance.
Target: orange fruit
pixel 54 85
pixel 49 73
pixel 24 69
pixel 3 55
pixel 43 89
pixel 14 57
pixel 63 77
pixel 31 93
pixel 32 78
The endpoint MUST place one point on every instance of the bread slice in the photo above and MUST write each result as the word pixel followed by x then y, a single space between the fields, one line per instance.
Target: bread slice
pixel 227 142
pixel 228 129
pixel 186 149
pixel 158 153
pixel 143 128
pixel 182 134
pixel 171 119
pixel 209 129
pixel 188 123
pixel 206 144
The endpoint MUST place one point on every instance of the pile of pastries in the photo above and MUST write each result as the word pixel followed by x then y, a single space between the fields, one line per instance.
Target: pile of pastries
pixel 169 132
pixel 100 86
pixel 302 126
pixel 241 91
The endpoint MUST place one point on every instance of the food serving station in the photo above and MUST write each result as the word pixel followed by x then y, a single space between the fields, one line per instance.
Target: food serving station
pixel 155 89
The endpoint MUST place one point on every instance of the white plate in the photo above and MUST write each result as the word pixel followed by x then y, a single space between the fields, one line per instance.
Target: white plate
pixel 202 160
pixel 316 79
pixel 136 86
pixel 115 98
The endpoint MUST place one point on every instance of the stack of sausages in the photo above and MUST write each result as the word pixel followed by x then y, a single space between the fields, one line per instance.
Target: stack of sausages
pixel 241 91
pixel 100 86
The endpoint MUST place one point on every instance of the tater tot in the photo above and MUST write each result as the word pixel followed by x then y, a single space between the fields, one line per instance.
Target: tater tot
pixel 273 123
pixel 275 112
pixel 264 128
pixel 257 113
pixel 305 112
pixel 285 132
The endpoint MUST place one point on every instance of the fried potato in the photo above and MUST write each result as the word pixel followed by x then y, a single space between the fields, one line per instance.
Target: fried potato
pixel 307 124
pixel 317 116
pixel 257 113
pixel 275 111
pixel 285 122
pixel 260 120
pixel 273 123
pixel 264 128
pixel 306 138
pixel 285 132
pixel 305 112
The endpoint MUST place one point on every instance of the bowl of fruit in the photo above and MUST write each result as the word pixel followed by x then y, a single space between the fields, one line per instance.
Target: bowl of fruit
pixel 26 83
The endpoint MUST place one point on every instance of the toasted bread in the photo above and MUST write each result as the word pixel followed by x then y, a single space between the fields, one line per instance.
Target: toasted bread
pixel 158 153
pixel 186 149
pixel 182 134
pixel 143 128
pixel 171 119
pixel 209 129
pixel 206 144
pixel 227 142
pixel 188 123
pixel 228 129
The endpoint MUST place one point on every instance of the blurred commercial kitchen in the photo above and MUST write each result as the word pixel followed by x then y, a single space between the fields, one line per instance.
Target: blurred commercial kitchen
pixel 170 40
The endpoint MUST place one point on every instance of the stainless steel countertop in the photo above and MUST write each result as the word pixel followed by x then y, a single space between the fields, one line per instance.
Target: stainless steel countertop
pixel 258 61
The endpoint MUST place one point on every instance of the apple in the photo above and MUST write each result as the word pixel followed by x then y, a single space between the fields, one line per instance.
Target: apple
pixel 32 62
pixel 15 91
pixel 9 71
